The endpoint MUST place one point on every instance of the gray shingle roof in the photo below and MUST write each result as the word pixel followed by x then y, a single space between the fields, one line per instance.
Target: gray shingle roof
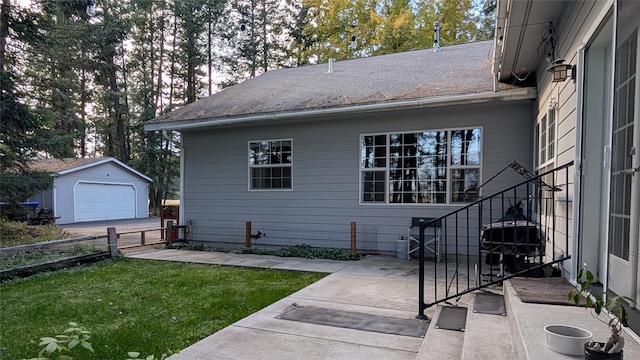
pixel 68 165
pixel 59 165
pixel 456 70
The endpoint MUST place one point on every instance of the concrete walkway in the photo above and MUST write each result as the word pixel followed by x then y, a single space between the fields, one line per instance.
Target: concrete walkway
pixel 376 285
pixel 383 286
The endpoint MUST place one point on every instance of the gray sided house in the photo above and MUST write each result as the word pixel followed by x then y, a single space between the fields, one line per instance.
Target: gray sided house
pixel 591 118
pixel 303 152
pixel 93 189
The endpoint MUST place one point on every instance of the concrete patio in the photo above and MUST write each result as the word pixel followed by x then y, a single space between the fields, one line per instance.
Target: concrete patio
pixel 380 286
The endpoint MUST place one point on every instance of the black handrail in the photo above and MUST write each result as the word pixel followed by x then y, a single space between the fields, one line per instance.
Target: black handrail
pixel 516 240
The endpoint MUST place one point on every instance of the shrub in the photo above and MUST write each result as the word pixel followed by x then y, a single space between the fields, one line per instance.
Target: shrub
pixel 304 251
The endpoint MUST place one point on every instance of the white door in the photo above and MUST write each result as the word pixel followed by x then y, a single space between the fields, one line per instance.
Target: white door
pixel 624 198
pixel 93 202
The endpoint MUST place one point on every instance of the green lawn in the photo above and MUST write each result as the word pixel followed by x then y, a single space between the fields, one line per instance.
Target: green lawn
pixel 136 305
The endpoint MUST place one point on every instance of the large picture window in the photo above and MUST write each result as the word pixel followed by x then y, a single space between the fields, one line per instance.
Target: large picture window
pixel 427 167
pixel 270 164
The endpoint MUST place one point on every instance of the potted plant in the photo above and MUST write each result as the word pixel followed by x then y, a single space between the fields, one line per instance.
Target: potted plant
pixel 612 348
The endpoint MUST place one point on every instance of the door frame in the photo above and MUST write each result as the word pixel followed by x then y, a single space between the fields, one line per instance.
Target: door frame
pixel 594 82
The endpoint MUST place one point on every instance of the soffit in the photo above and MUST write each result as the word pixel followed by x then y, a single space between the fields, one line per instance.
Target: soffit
pixel 524 25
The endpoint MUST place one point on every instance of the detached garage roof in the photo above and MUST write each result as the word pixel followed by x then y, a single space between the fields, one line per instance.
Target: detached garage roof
pixel 66 166
pixel 420 78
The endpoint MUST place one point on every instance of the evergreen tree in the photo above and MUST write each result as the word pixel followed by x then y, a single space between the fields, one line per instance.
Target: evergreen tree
pixel 258 37
pixel 107 37
pixel 22 133
pixel 52 77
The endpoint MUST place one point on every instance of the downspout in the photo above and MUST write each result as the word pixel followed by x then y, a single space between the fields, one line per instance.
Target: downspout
pixel 498 41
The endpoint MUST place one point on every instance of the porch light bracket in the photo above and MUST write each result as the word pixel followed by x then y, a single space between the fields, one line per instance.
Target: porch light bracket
pixel 561 72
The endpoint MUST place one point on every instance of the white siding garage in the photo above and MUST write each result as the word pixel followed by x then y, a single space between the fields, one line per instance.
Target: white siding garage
pixel 93 190
pixel 94 201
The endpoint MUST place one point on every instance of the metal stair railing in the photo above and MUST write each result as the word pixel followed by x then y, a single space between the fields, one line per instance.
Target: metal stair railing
pixel 521 230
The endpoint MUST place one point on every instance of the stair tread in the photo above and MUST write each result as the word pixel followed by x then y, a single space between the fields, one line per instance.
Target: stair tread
pixel 487 336
pixel 440 343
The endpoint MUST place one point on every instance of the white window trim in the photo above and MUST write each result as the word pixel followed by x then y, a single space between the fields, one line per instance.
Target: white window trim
pixel 450 167
pixel 249 166
pixel 549 161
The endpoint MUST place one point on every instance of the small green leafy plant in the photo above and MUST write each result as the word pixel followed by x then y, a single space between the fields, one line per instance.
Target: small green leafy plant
pixel 132 355
pixel 62 346
pixel 613 306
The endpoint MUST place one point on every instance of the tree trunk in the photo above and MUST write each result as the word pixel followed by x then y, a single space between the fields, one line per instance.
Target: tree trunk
pixel 209 57
pixel 191 57
pixel 117 112
pixel 173 61
pixel 157 101
pixel 253 38
pixel 4 30
pixel 83 114
pixel 125 114
pixel 265 47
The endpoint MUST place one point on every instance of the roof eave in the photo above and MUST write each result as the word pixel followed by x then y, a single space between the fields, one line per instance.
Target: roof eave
pixel 528 93
pixel 103 161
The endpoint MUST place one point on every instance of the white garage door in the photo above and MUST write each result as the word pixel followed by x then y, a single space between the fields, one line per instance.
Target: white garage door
pixel 94 202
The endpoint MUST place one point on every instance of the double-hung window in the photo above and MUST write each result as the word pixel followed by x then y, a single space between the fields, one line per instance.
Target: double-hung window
pixel 546 138
pixel 270 164
pixel 426 167
pixel 545 146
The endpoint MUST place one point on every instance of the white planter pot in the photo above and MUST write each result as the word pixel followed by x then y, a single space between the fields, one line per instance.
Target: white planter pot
pixel 567 339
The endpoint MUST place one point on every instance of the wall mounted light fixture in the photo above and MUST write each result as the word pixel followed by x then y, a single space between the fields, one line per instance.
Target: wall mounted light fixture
pixel 91 8
pixel 562 71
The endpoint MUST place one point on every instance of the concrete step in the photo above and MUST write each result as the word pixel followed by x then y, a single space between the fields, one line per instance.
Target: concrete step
pixel 487 336
pixel 441 344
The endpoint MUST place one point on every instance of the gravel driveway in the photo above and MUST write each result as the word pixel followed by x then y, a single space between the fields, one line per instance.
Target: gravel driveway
pixel 100 227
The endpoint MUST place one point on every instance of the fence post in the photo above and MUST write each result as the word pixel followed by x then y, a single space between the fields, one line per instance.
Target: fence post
pixel 112 240
pixel 142 238
pixel 353 237
pixel 421 304
pixel 169 234
pixel 247 235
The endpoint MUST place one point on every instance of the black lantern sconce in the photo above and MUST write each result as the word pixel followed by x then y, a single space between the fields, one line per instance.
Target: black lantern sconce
pixel 561 72
pixel 91 8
